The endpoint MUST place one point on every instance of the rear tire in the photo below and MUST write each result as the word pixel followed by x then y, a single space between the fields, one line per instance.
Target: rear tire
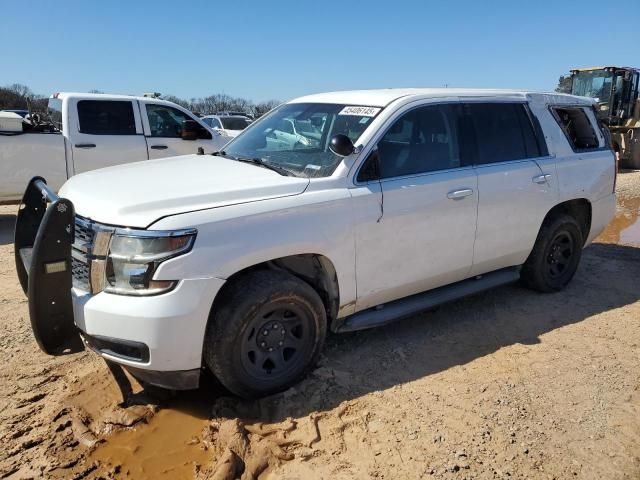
pixel 265 333
pixel 555 255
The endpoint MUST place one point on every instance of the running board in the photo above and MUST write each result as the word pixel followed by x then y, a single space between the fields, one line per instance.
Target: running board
pixel 405 307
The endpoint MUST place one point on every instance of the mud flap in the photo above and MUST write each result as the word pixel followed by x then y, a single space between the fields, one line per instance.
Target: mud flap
pixel 43 237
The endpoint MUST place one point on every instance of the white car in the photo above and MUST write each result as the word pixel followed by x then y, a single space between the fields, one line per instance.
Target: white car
pixel 241 262
pixel 229 125
pixel 87 131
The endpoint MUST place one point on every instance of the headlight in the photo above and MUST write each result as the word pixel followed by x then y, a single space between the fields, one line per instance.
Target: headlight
pixel 134 258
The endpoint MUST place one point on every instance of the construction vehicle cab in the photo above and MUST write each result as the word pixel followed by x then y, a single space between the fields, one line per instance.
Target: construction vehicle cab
pixel 615 90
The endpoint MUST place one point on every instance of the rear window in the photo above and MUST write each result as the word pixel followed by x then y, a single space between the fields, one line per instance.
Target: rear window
pixel 503 132
pixel 54 109
pixel 577 127
pixel 106 117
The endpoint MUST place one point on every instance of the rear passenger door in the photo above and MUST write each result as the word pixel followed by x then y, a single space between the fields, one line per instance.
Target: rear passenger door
pixel 515 193
pixel 423 236
pixel 105 133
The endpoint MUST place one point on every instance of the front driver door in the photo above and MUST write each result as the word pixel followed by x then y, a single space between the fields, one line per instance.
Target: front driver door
pixel 163 130
pixel 423 236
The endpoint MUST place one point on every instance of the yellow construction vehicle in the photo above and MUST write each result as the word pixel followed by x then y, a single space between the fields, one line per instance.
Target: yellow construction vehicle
pixel 615 90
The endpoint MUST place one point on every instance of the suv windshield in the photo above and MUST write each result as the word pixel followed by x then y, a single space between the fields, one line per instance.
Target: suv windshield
pixel 234 123
pixel 296 136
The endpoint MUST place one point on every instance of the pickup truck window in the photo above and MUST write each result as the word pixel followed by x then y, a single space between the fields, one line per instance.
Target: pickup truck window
pixel 296 136
pixel 54 110
pixel 422 140
pixel 106 117
pixel 577 128
pixel 503 132
pixel 234 123
pixel 165 121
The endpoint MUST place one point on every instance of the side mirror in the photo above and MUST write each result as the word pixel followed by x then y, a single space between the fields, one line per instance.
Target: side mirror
pixel 341 145
pixel 190 130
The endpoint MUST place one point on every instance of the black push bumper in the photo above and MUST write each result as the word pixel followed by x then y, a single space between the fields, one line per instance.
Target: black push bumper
pixel 43 237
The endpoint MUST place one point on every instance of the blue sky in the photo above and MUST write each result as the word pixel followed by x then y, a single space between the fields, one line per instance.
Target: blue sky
pixel 283 49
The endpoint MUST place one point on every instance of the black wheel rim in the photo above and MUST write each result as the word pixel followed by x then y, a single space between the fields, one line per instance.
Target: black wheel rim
pixel 277 341
pixel 560 254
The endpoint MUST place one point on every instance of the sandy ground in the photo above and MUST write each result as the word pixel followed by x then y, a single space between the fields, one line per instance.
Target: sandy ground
pixel 508 384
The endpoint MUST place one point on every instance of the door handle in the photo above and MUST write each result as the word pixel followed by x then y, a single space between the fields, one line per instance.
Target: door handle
pixel 544 178
pixel 158 147
pixel 85 145
pixel 456 194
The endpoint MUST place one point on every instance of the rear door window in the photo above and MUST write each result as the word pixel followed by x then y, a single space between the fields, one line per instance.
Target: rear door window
pixel 577 127
pixel 502 131
pixel 106 117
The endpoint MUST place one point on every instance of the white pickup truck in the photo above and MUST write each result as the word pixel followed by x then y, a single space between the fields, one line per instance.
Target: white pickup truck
pixel 398 200
pixel 89 131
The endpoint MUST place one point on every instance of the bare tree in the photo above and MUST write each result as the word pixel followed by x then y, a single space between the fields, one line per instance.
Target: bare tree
pixel 564 84
pixel 261 108
pixel 19 96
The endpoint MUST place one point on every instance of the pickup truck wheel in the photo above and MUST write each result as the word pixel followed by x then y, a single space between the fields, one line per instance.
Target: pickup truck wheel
pixel 267 332
pixel 555 255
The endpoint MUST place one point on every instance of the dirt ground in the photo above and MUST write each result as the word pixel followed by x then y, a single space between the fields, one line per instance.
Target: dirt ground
pixel 507 384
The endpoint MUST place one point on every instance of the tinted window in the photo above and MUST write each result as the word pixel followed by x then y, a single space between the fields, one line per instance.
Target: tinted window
pixel 422 140
pixel 234 123
pixel 577 128
pixel 165 121
pixel 105 117
pixel 503 132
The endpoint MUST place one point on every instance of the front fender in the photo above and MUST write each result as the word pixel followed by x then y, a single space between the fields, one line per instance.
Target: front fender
pixel 233 238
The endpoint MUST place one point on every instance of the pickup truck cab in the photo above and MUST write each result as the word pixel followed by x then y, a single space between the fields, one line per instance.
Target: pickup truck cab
pixel 240 262
pixel 91 131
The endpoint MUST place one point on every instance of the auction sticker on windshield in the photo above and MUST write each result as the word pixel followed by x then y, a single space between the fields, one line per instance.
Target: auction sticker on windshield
pixel 361 111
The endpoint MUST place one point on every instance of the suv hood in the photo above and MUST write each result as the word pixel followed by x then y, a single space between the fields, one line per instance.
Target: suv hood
pixel 138 194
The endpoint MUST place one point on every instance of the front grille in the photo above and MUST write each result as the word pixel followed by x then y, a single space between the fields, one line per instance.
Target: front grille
pixel 80 253
pixel 84 234
pixel 80 274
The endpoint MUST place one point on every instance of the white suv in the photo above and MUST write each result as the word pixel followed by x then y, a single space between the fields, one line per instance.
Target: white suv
pixel 242 261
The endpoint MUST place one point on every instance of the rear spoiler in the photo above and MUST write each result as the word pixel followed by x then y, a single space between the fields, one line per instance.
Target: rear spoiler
pixel 44 233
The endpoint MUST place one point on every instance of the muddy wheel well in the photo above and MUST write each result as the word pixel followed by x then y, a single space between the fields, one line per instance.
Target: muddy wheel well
pixel 580 209
pixel 317 270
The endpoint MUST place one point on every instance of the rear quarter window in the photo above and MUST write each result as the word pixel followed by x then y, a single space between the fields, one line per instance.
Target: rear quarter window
pixel 577 127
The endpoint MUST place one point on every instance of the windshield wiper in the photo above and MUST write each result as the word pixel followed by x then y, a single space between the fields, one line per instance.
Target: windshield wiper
pixel 262 163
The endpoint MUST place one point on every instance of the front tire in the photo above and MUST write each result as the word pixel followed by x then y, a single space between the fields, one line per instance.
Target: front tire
pixel 555 255
pixel 265 333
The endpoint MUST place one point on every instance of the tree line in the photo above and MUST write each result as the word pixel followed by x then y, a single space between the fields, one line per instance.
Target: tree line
pixel 18 96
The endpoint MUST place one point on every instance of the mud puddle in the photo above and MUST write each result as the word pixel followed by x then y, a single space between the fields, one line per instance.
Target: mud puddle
pixel 624 229
pixel 169 446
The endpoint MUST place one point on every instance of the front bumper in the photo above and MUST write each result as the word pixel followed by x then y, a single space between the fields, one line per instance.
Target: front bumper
pixel 158 338
pixel 168 328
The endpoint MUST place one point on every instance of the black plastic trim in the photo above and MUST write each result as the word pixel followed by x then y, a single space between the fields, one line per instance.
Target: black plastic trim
pixel 118 348
pixel 172 380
